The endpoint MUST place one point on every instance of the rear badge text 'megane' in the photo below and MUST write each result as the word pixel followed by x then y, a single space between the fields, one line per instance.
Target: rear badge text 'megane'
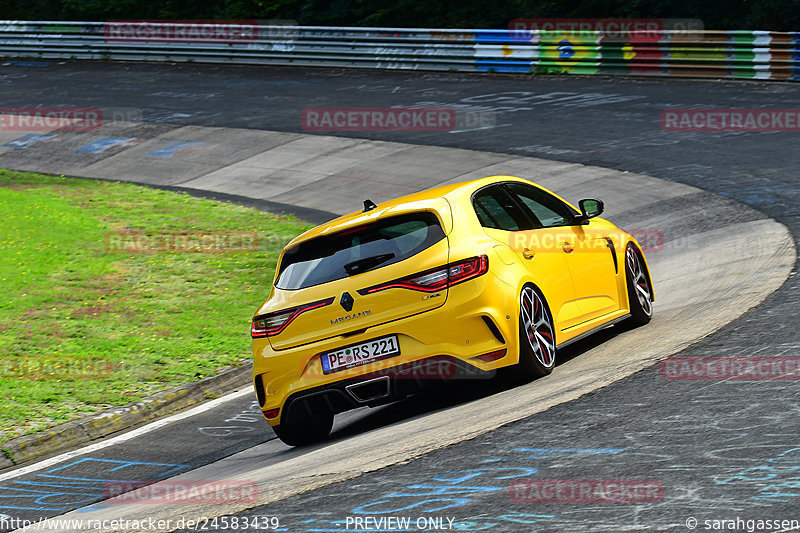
pixel 354 316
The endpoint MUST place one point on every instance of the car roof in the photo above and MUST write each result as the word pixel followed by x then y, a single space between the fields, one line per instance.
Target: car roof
pixel 429 199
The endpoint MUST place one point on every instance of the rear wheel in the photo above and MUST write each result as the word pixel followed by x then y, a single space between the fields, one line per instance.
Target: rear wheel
pixel 640 295
pixel 307 431
pixel 537 341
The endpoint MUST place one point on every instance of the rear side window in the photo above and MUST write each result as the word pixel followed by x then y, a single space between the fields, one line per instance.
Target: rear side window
pixel 496 209
pixel 358 250
pixel 548 210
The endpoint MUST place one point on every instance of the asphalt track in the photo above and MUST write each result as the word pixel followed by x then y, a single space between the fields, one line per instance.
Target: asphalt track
pixel 699 439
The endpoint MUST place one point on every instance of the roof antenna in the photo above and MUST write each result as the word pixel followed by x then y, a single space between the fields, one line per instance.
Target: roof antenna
pixel 369 205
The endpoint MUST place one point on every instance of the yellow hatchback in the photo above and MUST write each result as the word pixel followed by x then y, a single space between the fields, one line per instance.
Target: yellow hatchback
pixel 449 283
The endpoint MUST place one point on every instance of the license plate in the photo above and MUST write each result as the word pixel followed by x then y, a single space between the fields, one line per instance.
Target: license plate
pixel 360 354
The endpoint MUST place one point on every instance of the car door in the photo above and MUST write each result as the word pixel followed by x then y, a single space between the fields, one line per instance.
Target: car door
pixel 506 221
pixel 586 252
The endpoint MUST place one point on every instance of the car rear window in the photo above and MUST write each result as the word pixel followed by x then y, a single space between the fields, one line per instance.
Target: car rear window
pixel 358 250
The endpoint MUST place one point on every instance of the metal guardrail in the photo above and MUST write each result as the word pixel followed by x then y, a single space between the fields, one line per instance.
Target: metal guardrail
pixel 714 54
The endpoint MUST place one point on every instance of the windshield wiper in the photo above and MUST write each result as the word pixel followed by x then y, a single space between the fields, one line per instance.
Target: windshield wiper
pixel 367 263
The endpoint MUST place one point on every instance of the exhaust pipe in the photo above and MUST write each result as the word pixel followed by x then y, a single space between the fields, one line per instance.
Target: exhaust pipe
pixel 370 390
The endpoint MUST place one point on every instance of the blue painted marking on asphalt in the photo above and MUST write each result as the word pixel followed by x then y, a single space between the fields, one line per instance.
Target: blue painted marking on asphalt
pixel 122 464
pixel 476 523
pixel 61 485
pixel 88 489
pixel 423 496
pixel 28 140
pixel 451 502
pixel 475 472
pixel 101 145
pixel 18 63
pixel 776 477
pixel 44 495
pixel 439 490
pixel 172 149
pixel 32 508
pixel 555 452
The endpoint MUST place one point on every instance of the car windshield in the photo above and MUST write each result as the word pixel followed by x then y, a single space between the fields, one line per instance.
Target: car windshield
pixel 358 250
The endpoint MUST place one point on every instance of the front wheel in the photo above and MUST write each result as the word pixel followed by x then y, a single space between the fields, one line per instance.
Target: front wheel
pixel 640 295
pixel 537 341
pixel 307 431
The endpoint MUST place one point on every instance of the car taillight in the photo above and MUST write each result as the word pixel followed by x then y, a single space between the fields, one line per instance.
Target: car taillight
pixel 492 356
pixel 273 323
pixel 437 278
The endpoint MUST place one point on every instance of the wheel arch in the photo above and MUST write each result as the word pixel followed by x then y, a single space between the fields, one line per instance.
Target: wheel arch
pixel 638 250
pixel 529 282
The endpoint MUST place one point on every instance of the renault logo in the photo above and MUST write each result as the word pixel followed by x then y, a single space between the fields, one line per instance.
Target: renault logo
pixel 346 301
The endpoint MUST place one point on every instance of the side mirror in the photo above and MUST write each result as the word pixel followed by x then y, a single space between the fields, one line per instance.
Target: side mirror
pixel 590 208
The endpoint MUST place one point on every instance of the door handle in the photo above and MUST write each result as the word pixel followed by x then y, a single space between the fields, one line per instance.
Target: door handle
pixel 528 254
pixel 567 247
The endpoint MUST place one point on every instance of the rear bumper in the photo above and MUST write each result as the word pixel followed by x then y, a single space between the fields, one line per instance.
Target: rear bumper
pixel 379 387
pixel 473 322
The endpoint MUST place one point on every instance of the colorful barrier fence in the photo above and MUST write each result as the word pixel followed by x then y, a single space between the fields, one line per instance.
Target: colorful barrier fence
pixel 713 54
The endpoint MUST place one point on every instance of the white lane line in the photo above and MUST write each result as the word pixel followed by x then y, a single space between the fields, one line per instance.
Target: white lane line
pixel 125 436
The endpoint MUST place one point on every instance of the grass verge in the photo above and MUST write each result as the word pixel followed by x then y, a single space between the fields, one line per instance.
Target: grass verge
pixel 97 312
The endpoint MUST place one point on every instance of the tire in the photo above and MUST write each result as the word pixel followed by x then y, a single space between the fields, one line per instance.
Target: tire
pixel 309 431
pixel 537 346
pixel 640 294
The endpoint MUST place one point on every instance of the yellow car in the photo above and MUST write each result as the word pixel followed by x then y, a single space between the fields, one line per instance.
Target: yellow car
pixel 449 283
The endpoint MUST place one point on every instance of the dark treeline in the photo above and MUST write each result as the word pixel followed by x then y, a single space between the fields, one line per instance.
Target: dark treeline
pixel 778 15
